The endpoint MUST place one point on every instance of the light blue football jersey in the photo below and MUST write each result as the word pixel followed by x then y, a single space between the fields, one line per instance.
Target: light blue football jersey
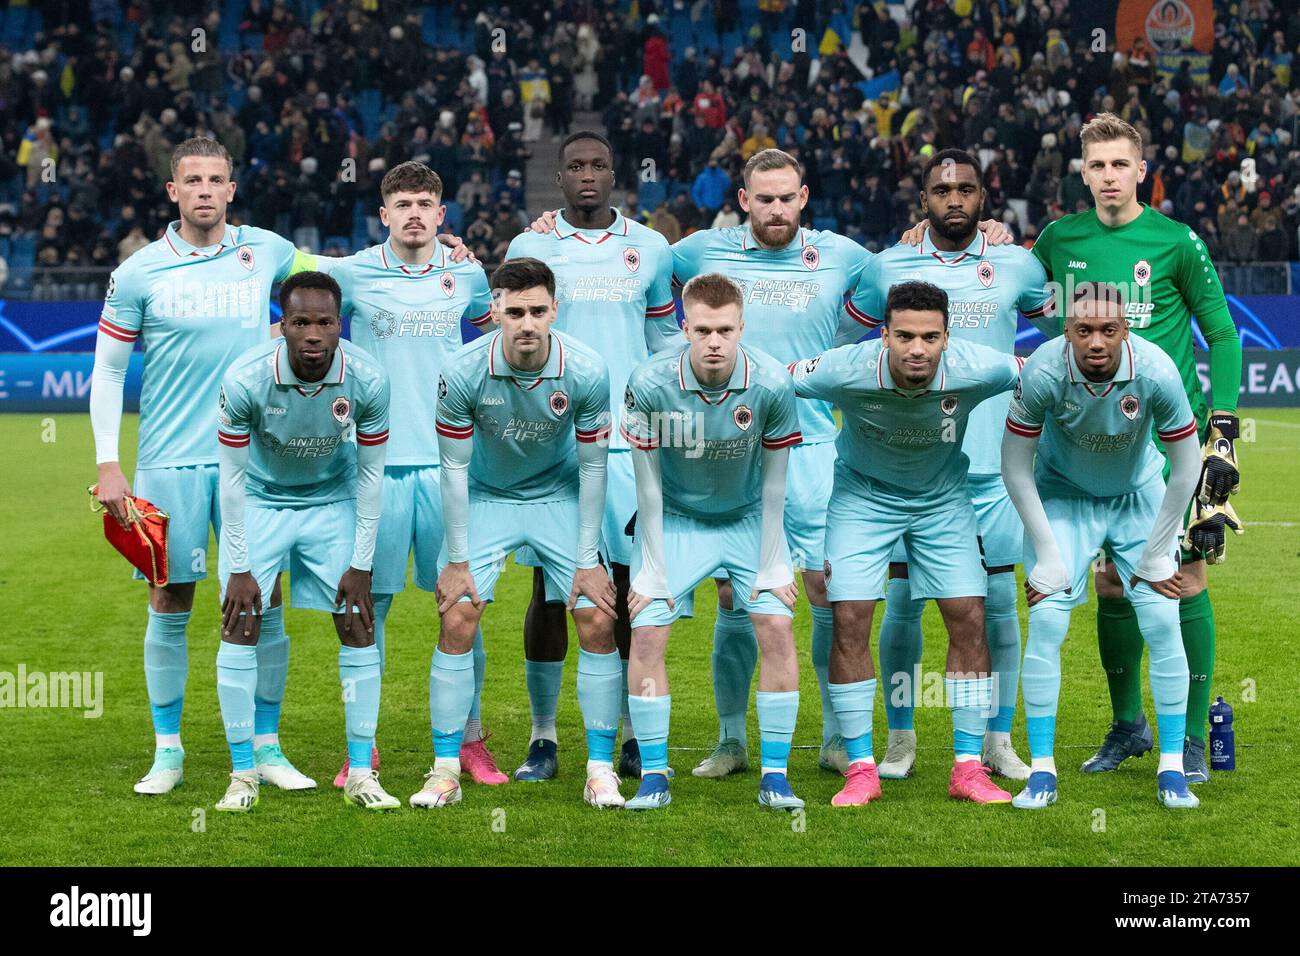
pixel 525 425
pixel 1096 438
pixel 195 311
pixel 302 436
pixel 986 285
pixel 794 297
pixel 408 318
pixel 708 441
pixel 902 448
pixel 614 291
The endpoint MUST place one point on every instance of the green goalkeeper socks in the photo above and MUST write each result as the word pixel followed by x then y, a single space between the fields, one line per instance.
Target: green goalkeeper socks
pixel 1196 616
pixel 1120 642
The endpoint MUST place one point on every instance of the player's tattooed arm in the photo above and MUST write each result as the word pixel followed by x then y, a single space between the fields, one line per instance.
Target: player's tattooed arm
pixel 995 232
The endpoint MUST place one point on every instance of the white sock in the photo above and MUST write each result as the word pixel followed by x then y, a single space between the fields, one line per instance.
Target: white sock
pixel 473 731
pixel 1043 765
pixel 1172 761
pixel 265 740
pixel 866 761
pixel 543 730
pixel 593 766
pixel 166 740
pixel 962 758
pixel 994 737
pixel 447 763
pixel 353 772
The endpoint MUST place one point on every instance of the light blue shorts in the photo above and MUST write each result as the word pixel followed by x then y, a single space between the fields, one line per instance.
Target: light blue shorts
pixel 316 541
pixel 1083 527
pixel 191 497
pixel 942 547
pixel 411 523
pixel 809 477
pixel 1001 533
pixel 497 527
pixel 694 550
pixel 620 506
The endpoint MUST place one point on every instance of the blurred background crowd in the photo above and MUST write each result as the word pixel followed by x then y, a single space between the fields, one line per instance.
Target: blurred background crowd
pixel 315 100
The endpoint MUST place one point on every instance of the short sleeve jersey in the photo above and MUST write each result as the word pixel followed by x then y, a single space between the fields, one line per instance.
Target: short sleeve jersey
pixel 986 286
pixel 613 289
pixel 794 297
pixel 408 317
pixel 709 440
pixel 902 447
pixel 195 311
pixel 302 436
pixel 1096 437
pixel 525 426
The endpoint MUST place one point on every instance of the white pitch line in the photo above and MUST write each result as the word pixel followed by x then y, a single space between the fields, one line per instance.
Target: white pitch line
pixel 1273 524
pixel 1273 421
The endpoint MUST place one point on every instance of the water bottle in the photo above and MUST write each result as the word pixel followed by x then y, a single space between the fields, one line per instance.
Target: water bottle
pixel 1222 753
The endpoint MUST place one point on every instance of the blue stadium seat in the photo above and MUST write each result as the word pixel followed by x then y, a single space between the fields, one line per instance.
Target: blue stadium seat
pixel 826 223
pixel 5 248
pixel 251 41
pixel 455 218
pixel 24 252
pixel 651 195
pixel 343 241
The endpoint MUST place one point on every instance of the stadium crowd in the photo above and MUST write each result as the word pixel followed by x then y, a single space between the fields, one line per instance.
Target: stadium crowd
pixel 316 100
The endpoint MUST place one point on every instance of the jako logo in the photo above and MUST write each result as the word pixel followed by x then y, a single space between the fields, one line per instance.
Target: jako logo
pixel 103 909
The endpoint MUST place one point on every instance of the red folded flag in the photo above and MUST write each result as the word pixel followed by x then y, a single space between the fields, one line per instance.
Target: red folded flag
pixel 144 541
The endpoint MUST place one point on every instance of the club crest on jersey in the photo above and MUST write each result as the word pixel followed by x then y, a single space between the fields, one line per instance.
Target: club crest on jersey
pixel 448 283
pixel 1142 272
pixel 1130 406
pixel 948 404
pixel 984 272
pixel 442 387
pixel 629 400
pixel 340 408
pixel 383 324
pixel 631 259
pixel 743 416
pixel 811 257
pixel 245 255
pixel 559 403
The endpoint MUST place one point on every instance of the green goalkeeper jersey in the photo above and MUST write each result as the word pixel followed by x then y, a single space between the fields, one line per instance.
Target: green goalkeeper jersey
pixel 1167 277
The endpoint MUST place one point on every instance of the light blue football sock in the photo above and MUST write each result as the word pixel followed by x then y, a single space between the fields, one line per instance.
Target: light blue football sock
pixel 1167 665
pixel 600 684
pixel 1041 677
pixel 166 662
pixel 272 672
pixel 383 604
pixel 900 653
pixel 451 694
pixel 629 732
pixel 822 634
pixel 650 714
pixel 1002 627
pixel 359 672
pixel 853 709
pixel 971 699
pixel 777 713
pixel 236 684
pixel 735 655
pixel 543 679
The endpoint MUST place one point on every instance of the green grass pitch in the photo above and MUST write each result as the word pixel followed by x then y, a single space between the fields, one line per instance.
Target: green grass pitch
pixel 66 783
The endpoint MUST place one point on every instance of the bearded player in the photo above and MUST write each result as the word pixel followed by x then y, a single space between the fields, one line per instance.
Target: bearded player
pixel 987 285
pixel 407 297
pixel 1168 275
pixel 196 299
pixel 614 288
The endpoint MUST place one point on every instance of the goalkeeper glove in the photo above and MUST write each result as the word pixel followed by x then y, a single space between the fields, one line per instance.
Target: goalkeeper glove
pixel 1206 534
pixel 1219 474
